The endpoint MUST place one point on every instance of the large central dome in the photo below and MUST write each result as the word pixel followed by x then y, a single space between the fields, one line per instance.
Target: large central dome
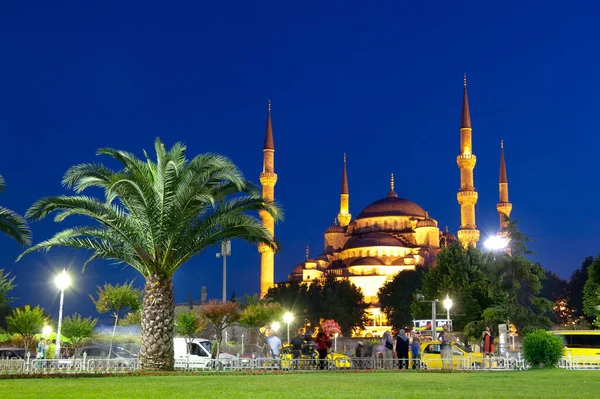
pixel 392 206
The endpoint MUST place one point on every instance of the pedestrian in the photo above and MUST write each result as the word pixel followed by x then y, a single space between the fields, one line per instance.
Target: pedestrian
pixel 488 344
pixel 275 346
pixel 402 350
pixel 446 339
pixel 387 344
pixel 297 343
pixel 415 349
pixel 323 344
pixel 41 352
pixel 359 352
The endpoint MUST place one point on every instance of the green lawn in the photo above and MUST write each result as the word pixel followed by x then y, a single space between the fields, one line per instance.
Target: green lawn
pixel 510 384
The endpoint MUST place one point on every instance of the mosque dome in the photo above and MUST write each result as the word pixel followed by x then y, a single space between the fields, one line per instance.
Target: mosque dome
pixel 373 240
pixel 334 229
pixel 392 206
pixel 427 222
pixel 367 261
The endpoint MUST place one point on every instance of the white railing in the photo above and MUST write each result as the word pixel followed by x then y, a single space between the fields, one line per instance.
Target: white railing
pixel 456 363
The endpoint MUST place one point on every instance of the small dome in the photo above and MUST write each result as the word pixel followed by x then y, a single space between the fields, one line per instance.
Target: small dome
pixel 391 206
pixel 367 261
pixel 335 229
pixel 426 223
pixel 373 240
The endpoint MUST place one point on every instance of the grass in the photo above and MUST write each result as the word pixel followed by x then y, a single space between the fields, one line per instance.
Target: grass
pixel 510 384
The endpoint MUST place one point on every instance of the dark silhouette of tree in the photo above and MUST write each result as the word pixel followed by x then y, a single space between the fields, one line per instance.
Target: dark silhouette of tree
pixel 397 296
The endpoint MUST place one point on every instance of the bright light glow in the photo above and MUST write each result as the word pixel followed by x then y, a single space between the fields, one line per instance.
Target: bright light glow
pixel 335 335
pixel 288 317
pixel 47 331
pixel 447 302
pixel 275 326
pixel 63 280
pixel 495 243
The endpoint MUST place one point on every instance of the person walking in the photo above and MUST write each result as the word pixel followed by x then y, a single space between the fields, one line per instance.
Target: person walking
pixel 275 346
pixel 41 352
pixel 402 350
pixel 415 349
pixel 387 344
pixel 323 344
pixel 446 339
pixel 297 343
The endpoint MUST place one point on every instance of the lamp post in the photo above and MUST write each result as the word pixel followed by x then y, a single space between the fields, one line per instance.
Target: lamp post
pixel 242 344
pixel 335 342
pixel 448 305
pixel 496 243
pixel 421 297
pixel 287 318
pixel 225 252
pixel 62 281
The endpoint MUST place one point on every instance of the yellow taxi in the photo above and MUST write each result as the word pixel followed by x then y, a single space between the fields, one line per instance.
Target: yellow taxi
pixel 311 360
pixel 462 357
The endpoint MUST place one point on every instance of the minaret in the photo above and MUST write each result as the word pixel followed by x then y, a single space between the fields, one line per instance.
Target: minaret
pixel 268 178
pixel 344 216
pixel 504 207
pixel 467 196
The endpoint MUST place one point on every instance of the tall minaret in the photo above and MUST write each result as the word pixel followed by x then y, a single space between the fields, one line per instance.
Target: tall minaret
pixel 344 216
pixel 504 207
pixel 268 178
pixel 467 196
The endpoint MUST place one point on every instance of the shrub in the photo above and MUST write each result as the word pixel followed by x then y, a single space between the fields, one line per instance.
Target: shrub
pixel 542 349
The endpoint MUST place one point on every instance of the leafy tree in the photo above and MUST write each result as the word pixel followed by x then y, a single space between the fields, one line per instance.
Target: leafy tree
pixel 257 315
pixel 13 224
pixel 116 299
pixel 329 298
pixel 465 275
pixel 26 322
pixel 576 285
pixel 556 290
pixel 188 324
pixel 343 302
pixel 6 284
pixel 397 296
pixel 591 292
pixel 221 315
pixel 132 319
pixel 154 217
pixel 76 328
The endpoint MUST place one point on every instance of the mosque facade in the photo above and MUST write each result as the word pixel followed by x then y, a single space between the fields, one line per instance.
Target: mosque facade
pixel 389 236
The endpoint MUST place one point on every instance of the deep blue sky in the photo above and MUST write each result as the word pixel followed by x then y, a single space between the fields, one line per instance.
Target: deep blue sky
pixel 380 81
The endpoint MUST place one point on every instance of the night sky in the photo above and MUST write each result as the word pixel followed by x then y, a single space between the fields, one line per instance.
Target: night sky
pixel 380 81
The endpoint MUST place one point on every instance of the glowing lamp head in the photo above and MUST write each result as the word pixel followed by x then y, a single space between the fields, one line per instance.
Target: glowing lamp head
pixel 275 326
pixel 496 243
pixel 336 335
pixel 447 302
pixel 62 280
pixel 47 331
pixel 288 317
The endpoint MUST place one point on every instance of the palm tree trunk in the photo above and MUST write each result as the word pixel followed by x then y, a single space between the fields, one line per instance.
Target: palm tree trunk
pixel 156 352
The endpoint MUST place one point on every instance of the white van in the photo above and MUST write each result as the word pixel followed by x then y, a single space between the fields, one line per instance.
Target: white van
pixel 200 354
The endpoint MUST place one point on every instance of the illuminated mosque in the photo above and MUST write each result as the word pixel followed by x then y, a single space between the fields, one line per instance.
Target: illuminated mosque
pixel 388 236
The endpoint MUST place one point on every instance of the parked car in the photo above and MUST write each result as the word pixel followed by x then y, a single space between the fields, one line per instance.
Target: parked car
pixel 13 353
pixel 462 357
pixel 100 352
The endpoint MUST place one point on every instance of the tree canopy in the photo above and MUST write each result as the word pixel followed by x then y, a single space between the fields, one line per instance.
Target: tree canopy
pixel 591 292
pixel 397 296
pixel 77 328
pixel 26 322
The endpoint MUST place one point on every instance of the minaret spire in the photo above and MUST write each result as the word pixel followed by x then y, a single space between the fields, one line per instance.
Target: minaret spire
pixel 344 216
pixel 467 196
pixel 268 179
pixel 504 207
pixel 392 193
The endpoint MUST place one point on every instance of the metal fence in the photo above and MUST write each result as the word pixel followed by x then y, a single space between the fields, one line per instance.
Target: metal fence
pixel 470 363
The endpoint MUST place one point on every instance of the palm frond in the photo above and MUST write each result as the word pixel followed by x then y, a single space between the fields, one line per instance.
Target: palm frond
pixel 15 226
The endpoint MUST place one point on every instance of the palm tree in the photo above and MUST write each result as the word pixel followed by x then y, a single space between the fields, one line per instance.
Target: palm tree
pixel 154 217
pixel 13 224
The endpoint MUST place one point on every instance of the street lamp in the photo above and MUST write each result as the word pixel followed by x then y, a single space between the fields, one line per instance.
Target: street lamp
pixel 448 305
pixel 421 297
pixel 47 331
pixel 275 326
pixel 496 243
pixel 225 252
pixel 62 281
pixel 335 342
pixel 287 318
